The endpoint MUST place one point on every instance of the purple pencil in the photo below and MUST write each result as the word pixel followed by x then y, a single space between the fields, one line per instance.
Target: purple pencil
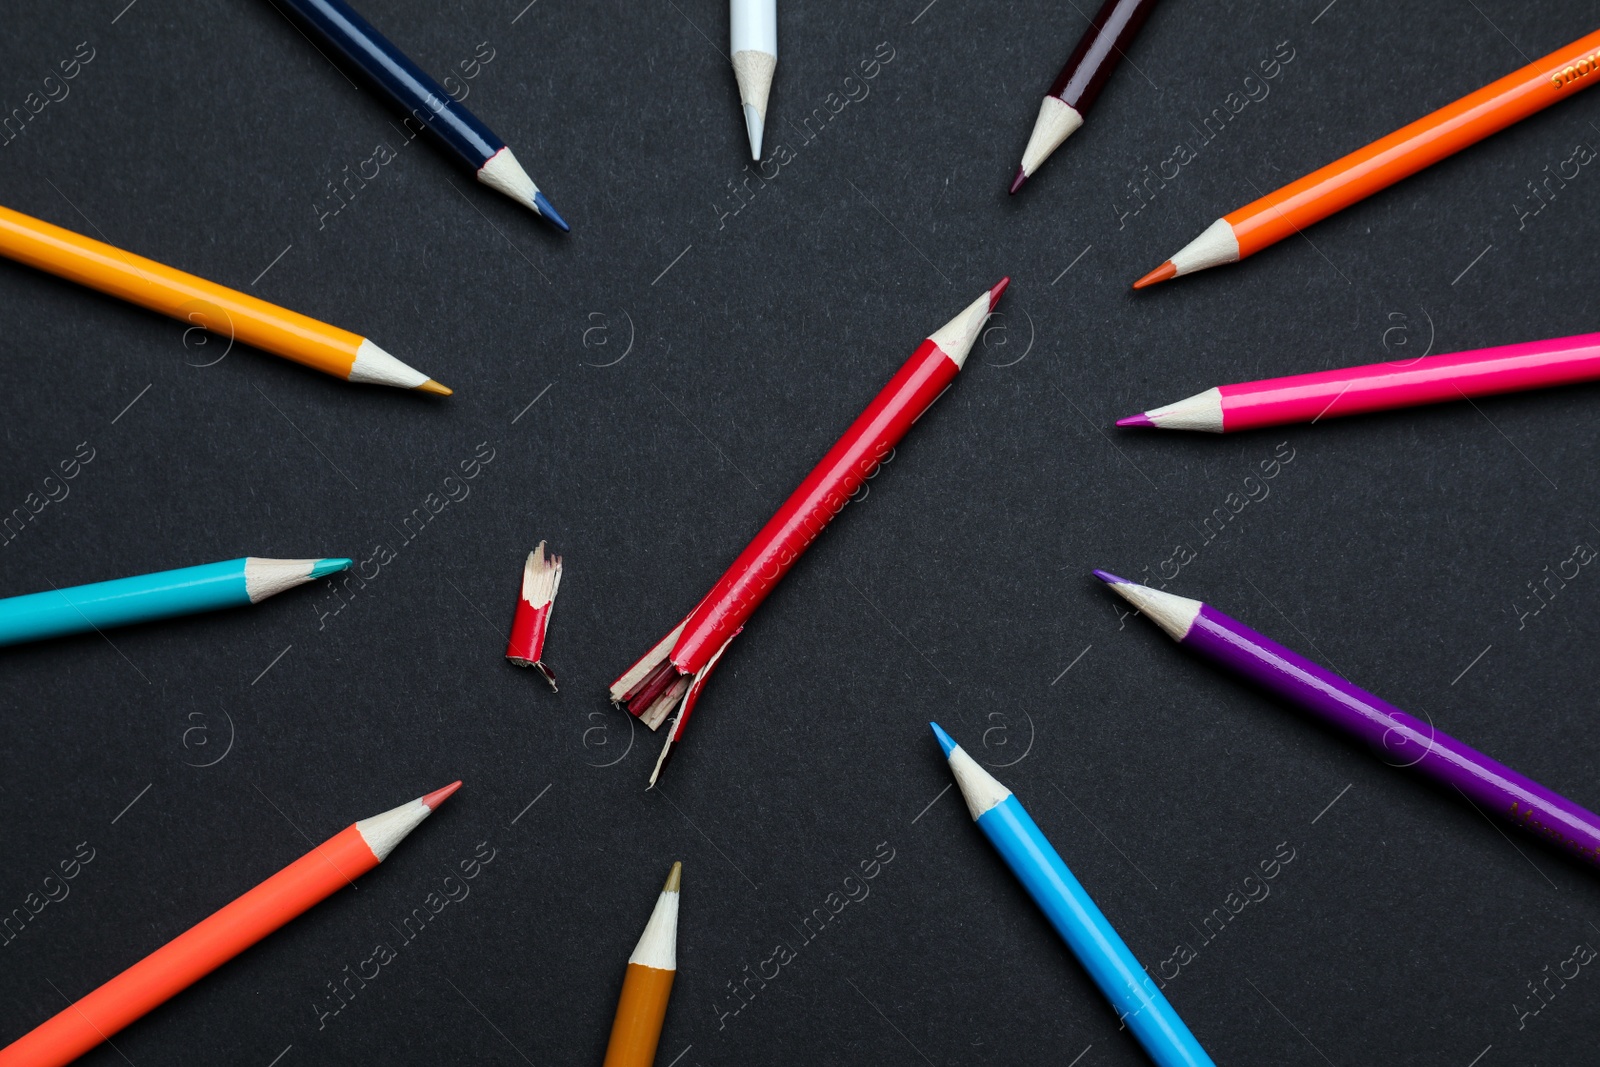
pixel 1400 738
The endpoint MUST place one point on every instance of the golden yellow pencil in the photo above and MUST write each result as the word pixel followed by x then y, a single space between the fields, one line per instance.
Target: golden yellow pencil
pixel 199 302
pixel 643 1005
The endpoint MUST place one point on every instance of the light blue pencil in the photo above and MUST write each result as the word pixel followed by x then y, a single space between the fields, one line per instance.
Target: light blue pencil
pixel 185 591
pixel 1032 858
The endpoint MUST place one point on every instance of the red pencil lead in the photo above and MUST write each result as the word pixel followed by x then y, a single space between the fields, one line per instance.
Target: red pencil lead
pixel 1140 419
pixel 999 288
pixel 1160 274
pixel 1017 182
pixel 439 796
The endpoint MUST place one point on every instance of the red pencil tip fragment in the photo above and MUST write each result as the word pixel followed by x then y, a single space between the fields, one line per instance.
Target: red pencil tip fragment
pixel 1160 274
pixel 1000 287
pixel 1140 419
pixel 439 796
pixel 1018 181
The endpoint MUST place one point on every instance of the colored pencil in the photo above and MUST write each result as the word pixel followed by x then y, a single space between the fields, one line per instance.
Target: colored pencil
pixel 1296 206
pixel 753 44
pixel 215 940
pixel 1077 918
pixel 1400 738
pixel 642 1008
pixel 541 577
pixel 198 302
pixel 425 101
pixel 1381 386
pixel 1078 86
pixel 161 595
pixel 670 676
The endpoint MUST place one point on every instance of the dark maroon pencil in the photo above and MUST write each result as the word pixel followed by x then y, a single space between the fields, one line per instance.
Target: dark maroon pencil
pixel 1080 81
pixel 1399 738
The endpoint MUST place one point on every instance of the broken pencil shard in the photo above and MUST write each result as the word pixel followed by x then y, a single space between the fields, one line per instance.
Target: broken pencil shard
pixel 667 682
pixel 541 577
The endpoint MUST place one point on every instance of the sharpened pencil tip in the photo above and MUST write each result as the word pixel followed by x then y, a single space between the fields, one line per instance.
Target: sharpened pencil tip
pixel 549 212
pixel 674 879
pixel 331 565
pixel 431 386
pixel 754 128
pixel 1160 274
pixel 1111 579
pixel 999 288
pixel 1140 419
pixel 1018 181
pixel 439 796
pixel 946 742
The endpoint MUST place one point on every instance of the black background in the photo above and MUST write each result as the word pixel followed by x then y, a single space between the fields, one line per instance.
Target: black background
pixel 1394 548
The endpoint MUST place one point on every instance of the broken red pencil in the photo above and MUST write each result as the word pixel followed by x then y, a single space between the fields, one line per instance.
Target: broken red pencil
pixel 541 576
pixel 670 676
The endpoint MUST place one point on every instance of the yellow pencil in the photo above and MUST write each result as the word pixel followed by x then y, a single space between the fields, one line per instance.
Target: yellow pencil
pixel 643 1005
pixel 199 302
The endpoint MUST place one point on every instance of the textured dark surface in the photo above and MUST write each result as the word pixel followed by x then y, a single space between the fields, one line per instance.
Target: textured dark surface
pixel 1395 548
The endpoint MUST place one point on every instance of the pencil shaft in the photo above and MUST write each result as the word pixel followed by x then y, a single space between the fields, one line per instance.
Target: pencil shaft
pixel 1431 138
pixel 193 954
pixel 1430 380
pixel 405 83
pixel 181 296
pixel 1398 738
pixel 141 598
pixel 1084 927
pixel 1102 46
pixel 641 1010
pixel 809 509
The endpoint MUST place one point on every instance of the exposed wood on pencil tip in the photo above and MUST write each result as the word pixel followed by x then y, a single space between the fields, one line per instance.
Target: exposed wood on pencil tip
pixel 439 796
pixel 1162 273
pixel 431 386
pixel 674 879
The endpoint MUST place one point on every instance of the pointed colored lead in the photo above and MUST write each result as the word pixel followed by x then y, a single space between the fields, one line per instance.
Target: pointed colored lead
pixel 439 796
pixel 542 204
pixel 331 565
pixel 946 742
pixel 1140 419
pixel 1162 273
pixel 1018 182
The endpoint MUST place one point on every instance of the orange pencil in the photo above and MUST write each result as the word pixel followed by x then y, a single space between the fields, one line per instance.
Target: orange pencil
pixel 654 963
pixel 221 310
pixel 1380 164
pixel 207 945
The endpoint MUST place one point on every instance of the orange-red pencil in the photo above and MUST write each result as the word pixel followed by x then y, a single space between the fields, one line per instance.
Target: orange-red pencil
pixel 214 941
pixel 642 1008
pixel 1380 164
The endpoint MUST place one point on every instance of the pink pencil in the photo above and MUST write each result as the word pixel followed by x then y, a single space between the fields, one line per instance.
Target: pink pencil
pixel 1380 386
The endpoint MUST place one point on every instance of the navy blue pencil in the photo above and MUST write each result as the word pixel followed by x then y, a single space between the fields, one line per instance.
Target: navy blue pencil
pixel 425 100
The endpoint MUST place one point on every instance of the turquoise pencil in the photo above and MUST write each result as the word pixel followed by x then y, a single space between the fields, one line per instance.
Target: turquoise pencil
pixel 185 591
pixel 1073 913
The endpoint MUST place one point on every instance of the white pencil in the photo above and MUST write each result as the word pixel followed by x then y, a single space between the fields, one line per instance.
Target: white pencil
pixel 753 43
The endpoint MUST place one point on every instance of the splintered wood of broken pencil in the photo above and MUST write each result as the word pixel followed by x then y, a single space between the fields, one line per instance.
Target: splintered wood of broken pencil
pixel 667 681
pixel 541 577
